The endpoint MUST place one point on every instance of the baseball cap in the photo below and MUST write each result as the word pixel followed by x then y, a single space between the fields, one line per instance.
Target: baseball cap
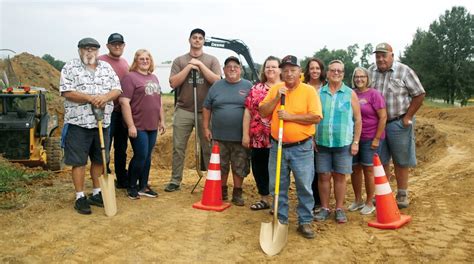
pixel 199 31
pixel 88 42
pixel 289 60
pixel 115 37
pixel 383 47
pixel 231 58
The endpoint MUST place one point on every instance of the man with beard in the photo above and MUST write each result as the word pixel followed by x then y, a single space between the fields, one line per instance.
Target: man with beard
pixel 86 83
pixel 118 130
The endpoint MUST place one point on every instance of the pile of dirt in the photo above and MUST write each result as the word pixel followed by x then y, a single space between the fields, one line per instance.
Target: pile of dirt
pixel 34 71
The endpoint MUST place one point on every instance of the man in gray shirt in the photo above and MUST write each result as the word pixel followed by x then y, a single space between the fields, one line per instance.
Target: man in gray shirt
pixel 224 107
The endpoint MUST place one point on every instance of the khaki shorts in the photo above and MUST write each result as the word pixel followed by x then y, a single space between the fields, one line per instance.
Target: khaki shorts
pixel 233 153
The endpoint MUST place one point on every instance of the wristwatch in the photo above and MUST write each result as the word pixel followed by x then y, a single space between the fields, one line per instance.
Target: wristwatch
pixel 356 142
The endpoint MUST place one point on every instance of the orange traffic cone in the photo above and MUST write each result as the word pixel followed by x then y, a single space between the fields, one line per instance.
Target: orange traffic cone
pixel 212 195
pixel 388 215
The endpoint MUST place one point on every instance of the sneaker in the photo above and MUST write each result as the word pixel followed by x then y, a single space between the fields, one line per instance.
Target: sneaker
pixel 96 200
pixel 402 199
pixel 82 206
pixel 355 206
pixel 133 194
pixel 171 187
pixel 306 231
pixel 316 209
pixel 148 192
pixel 322 215
pixel 367 210
pixel 340 216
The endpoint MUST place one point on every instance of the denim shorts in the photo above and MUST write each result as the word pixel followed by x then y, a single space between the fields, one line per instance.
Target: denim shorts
pixel 82 143
pixel 337 160
pixel 365 156
pixel 399 144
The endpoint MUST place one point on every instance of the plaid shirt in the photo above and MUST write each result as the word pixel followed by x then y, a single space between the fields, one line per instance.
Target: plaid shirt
pixel 398 85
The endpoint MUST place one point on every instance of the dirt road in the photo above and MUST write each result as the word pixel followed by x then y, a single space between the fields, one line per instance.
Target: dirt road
pixel 168 229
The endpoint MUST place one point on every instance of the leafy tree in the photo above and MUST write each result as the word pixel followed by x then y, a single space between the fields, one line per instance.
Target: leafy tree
pixel 444 56
pixel 366 53
pixel 55 63
pixel 348 57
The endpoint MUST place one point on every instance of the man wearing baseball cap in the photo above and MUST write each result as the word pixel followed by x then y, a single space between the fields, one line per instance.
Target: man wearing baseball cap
pixel 302 111
pixel 78 84
pixel 118 132
pixel 404 95
pixel 208 71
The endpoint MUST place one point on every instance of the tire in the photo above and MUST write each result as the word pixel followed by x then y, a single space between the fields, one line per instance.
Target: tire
pixel 54 154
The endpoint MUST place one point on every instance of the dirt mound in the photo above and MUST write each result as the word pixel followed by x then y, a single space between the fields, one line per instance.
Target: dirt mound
pixel 430 142
pixel 456 115
pixel 34 71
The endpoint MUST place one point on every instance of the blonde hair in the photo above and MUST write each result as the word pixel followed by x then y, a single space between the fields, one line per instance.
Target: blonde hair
pixel 138 53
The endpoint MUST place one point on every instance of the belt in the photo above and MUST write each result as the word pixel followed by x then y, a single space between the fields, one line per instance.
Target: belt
pixel 292 144
pixel 396 118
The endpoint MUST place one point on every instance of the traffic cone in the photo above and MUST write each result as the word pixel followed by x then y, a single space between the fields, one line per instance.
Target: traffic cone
pixel 212 195
pixel 388 215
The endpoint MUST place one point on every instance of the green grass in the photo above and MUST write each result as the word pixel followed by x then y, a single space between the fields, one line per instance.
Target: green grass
pixel 13 179
pixel 429 102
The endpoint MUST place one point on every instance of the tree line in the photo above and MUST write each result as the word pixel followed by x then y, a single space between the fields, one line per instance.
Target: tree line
pixel 442 57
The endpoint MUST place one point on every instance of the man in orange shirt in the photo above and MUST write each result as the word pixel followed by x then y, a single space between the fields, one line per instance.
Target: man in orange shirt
pixel 302 111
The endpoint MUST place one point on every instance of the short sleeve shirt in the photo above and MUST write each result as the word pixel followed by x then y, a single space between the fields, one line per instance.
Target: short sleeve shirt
pixel 259 130
pixel 185 91
pixel 398 86
pixel 301 100
pixel 144 92
pixel 337 127
pixel 370 102
pixel 75 77
pixel 226 102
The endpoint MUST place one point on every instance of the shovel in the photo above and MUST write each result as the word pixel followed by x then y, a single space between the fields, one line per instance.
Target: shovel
pixel 273 236
pixel 197 151
pixel 106 181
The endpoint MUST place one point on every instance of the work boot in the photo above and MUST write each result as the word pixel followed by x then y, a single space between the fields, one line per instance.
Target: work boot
pixel 237 198
pixel 225 193
pixel 306 231
pixel 402 199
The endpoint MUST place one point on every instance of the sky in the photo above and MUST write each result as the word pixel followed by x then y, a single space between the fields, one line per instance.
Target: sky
pixel 268 27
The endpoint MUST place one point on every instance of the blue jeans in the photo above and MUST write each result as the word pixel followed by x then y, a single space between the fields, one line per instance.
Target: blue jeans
pixel 300 160
pixel 139 167
pixel 399 144
pixel 119 135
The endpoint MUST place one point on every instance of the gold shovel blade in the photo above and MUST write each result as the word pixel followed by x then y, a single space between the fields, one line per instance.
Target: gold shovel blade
pixel 273 237
pixel 107 185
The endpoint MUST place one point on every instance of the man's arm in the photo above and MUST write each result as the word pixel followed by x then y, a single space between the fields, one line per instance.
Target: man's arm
pixel 305 119
pixel 208 74
pixel 416 103
pixel 178 79
pixel 206 116
pixel 246 129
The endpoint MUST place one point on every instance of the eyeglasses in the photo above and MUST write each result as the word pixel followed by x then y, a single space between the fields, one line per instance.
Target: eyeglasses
pixel 144 59
pixel 232 67
pixel 336 71
pixel 360 77
pixel 90 48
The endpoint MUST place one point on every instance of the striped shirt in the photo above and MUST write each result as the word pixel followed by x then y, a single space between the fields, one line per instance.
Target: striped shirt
pixel 336 129
pixel 398 85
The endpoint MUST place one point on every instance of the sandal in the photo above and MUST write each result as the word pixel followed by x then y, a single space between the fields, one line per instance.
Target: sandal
pixel 260 205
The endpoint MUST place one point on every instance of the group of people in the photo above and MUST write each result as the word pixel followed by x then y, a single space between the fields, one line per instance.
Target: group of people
pixel 329 129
